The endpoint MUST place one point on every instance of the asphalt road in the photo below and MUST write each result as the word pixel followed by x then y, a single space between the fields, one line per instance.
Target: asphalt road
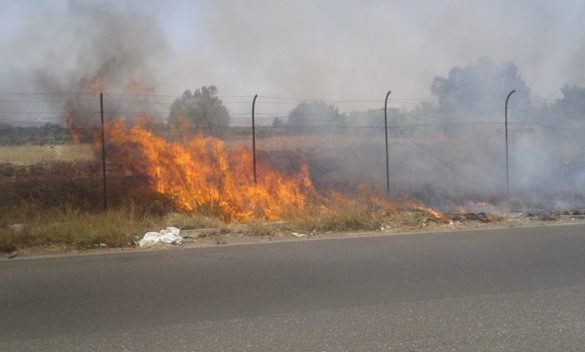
pixel 498 290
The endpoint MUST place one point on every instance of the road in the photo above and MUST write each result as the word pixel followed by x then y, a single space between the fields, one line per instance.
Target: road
pixel 517 289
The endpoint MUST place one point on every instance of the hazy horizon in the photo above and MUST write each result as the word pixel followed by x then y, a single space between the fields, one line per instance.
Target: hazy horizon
pixel 306 49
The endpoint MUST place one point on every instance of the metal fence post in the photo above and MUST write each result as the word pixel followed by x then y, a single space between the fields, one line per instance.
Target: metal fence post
pixel 103 139
pixel 507 159
pixel 386 135
pixel 254 137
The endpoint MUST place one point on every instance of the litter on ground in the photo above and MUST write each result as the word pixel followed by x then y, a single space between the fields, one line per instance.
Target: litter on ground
pixel 296 234
pixel 169 235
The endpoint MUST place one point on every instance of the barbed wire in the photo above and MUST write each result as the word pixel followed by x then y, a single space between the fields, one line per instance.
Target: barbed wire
pixel 495 95
pixel 36 99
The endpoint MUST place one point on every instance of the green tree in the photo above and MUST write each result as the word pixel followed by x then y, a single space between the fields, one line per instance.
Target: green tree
pixel 199 112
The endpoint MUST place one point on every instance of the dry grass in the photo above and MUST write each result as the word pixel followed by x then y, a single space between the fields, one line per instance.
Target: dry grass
pixel 68 227
pixel 71 228
pixel 340 219
pixel 25 155
pixel 356 218
pixel 413 218
pixel 258 228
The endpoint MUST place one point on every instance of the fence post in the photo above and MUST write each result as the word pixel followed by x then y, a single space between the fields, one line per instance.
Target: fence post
pixel 103 139
pixel 386 135
pixel 506 131
pixel 254 137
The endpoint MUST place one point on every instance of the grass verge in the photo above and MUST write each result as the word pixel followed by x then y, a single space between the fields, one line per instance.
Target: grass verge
pixel 32 226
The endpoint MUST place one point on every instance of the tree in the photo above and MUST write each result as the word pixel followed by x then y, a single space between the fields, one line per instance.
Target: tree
pixel 480 88
pixel 309 115
pixel 199 112
pixel 572 104
pixel 277 122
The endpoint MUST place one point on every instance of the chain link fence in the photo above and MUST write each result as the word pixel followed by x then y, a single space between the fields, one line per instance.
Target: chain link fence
pixel 48 158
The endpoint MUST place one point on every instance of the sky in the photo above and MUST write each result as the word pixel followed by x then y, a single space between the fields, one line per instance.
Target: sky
pixel 302 49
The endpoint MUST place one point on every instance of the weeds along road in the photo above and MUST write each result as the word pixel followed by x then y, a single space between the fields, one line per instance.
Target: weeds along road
pixel 514 289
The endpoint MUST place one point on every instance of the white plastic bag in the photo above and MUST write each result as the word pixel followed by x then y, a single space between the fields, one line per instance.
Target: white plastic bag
pixel 169 235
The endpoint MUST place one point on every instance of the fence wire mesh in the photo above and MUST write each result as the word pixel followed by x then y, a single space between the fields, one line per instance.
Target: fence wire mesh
pixel 50 151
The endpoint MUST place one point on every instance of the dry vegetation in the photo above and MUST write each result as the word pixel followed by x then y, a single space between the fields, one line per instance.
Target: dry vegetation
pixel 50 198
pixel 34 226
pixel 33 154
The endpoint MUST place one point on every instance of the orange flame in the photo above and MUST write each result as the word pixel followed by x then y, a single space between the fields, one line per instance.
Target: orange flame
pixel 202 175
pixel 138 86
pixel 95 84
pixel 431 211
pixel 70 121
pixel 481 203
pixel 365 195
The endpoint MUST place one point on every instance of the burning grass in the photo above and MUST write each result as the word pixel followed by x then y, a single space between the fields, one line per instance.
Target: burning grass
pixel 195 183
pixel 201 175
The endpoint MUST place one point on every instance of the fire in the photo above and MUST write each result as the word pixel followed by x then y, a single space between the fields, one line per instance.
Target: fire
pixel 480 203
pixel 201 175
pixel 94 84
pixel 70 122
pixel 460 209
pixel 138 86
pixel 365 194
pixel 431 211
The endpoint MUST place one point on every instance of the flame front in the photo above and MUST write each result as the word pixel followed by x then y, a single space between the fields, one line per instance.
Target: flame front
pixel 201 175
pixel 413 202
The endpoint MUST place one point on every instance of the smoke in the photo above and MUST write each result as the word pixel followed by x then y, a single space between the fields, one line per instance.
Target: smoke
pixel 454 150
pixel 334 50
pixel 341 49
pixel 71 51
pixel 73 41
pixel 323 49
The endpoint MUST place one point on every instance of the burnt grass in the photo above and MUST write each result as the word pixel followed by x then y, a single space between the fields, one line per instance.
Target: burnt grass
pixel 481 217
